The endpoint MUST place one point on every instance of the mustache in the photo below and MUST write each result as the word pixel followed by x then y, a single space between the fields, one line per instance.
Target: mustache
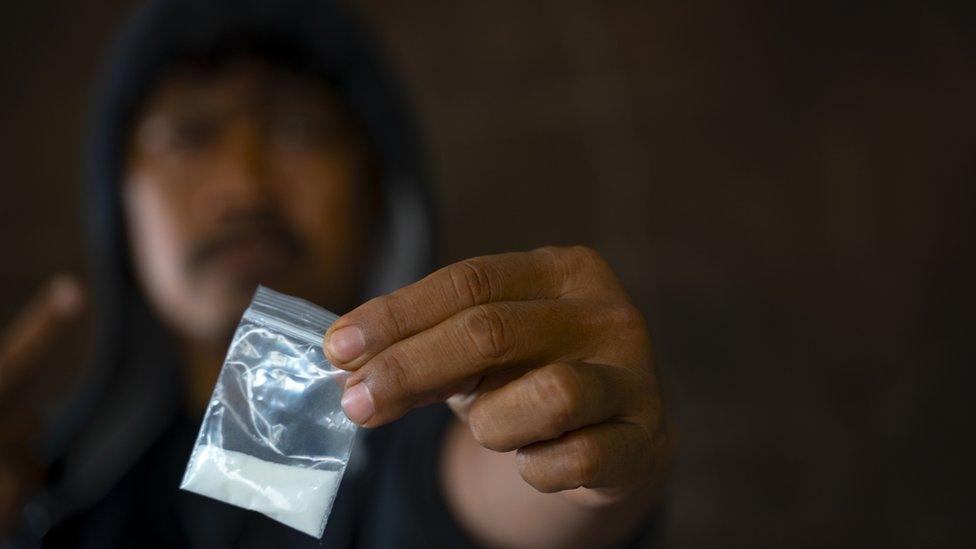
pixel 245 230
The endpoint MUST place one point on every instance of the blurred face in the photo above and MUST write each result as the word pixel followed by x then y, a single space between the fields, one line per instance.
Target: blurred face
pixel 244 176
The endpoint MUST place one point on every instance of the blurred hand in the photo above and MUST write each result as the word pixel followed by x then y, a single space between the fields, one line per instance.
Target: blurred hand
pixel 540 352
pixel 48 313
pixel 23 343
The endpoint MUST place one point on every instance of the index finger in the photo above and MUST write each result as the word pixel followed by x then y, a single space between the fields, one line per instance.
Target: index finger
pixel 31 332
pixel 545 273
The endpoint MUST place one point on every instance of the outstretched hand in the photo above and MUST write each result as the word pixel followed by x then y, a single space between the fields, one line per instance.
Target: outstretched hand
pixel 540 352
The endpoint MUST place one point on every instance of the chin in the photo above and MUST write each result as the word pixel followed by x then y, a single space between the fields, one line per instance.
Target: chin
pixel 214 319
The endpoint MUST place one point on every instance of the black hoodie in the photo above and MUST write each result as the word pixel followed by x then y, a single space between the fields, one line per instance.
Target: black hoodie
pixel 119 449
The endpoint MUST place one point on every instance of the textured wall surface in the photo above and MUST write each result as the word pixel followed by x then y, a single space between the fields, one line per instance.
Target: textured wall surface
pixel 785 188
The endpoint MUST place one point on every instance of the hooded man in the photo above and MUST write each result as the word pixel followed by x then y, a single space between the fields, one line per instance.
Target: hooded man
pixel 238 143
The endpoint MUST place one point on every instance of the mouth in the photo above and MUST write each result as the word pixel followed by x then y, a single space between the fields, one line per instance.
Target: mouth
pixel 249 260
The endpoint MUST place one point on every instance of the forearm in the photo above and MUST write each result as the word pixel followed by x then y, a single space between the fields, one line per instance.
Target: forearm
pixel 493 503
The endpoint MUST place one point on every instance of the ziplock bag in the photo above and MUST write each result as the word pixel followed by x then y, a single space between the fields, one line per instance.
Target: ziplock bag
pixel 274 438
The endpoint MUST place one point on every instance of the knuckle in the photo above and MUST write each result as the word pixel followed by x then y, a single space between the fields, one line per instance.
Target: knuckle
pixel 551 252
pixel 534 473
pixel 626 316
pixel 586 253
pixel 394 315
pixel 480 424
pixel 472 281
pixel 559 390
pixel 578 265
pixel 393 378
pixel 586 459
pixel 587 258
pixel 488 330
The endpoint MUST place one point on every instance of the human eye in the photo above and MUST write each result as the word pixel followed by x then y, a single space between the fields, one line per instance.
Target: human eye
pixel 191 133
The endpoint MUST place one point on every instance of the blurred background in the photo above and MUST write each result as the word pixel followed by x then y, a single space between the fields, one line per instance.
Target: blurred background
pixel 786 188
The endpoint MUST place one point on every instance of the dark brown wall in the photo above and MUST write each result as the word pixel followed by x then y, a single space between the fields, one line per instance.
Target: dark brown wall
pixel 786 189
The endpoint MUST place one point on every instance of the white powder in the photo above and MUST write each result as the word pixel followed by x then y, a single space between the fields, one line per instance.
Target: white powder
pixel 298 497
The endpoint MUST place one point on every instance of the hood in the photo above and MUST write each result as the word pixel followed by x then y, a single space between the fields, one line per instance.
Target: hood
pixel 131 388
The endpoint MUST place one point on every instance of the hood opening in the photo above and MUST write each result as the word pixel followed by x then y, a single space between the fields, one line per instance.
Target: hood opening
pixel 125 396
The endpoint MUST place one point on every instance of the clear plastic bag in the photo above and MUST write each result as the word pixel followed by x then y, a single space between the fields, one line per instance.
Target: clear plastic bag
pixel 274 438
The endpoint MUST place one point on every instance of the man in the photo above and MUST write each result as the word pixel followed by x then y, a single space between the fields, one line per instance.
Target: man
pixel 245 143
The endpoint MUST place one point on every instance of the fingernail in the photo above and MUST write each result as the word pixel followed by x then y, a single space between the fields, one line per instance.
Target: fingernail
pixel 357 403
pixel 345 344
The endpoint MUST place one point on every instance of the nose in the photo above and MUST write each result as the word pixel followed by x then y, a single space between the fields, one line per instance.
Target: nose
pixel 238 177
